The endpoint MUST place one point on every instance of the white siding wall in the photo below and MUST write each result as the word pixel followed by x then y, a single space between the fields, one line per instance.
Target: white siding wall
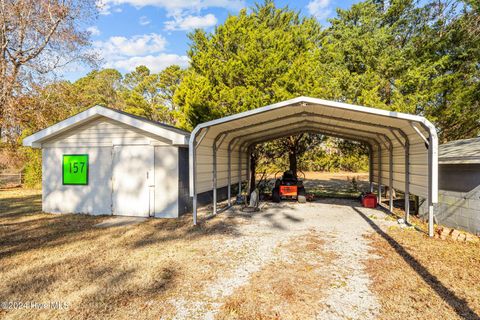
pixel 97 138
pixel 166 182
pixel 95 198
pixel 418 165
pixel 102 132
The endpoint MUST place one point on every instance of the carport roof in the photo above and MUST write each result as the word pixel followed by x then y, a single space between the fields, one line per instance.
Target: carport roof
pixel 347 118
pixel 407 143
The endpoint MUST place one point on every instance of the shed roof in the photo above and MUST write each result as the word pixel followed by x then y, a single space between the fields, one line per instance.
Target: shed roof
pixel 463 151
pixel 175 135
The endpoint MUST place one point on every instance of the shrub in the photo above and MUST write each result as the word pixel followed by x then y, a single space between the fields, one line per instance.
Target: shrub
pixel 32 172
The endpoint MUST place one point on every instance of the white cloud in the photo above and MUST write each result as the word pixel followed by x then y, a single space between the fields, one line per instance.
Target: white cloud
pixel 191 22
pixel 319 8
pixel 93 31
pixel 126 53
pixel 103 7
pixel 144 21
pixel 174 6
pixel 138 45
pixel 155 63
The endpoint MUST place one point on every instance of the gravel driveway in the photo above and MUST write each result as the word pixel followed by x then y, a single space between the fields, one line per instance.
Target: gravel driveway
pixel 340 223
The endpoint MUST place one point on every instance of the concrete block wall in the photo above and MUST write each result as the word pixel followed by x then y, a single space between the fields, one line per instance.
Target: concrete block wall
pixel 458 197
pixel 459 210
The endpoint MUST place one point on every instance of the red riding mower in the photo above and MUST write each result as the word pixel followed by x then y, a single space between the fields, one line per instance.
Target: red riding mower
pixel 288 187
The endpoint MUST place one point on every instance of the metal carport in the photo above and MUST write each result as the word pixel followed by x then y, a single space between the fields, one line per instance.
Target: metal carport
pixel 403 147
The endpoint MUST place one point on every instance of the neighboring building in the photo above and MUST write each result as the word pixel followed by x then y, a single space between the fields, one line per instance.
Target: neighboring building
pixel 459 185
pixel 104 161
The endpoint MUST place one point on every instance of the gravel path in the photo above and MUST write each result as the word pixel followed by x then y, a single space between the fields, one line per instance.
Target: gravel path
pixel 341 226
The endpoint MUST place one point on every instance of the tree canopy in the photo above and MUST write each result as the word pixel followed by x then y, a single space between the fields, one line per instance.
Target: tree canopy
pixel 36 38
pixel 419 57
pixel 253 59
pixel 407 56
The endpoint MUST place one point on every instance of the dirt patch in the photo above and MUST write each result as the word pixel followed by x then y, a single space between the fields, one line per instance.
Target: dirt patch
pixel 418 277
pixel 332 184
pixel 291 287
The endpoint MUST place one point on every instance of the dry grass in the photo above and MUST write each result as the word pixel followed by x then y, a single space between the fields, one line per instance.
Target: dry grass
pixel 331 184
pixel 117 272
pixel 336 184
pixel 417 277
pixel 136 271
pixel 345 176
pixel 291 287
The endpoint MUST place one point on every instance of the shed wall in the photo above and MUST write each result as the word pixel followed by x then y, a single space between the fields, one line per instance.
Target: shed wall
pixel 459 177
pixel 184 200
pixel 166 182
pixel 102 132
pixel 97 138
pixel 94 198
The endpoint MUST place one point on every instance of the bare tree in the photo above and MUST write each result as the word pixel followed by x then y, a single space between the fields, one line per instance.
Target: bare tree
pixel 36 38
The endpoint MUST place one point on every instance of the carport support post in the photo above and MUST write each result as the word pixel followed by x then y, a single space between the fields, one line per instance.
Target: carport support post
pixel 407 181
pixel 370 166
pixel 240 170
pixel 214 165
pixel 229 187
pixel 390 179
pixel 379 173
pixel 194 202
pixel 193 147
pixel 249 169
pixel 430 185
pixel 216 145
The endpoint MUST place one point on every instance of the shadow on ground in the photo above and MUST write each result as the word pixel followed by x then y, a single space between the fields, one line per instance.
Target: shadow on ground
pixel 458 304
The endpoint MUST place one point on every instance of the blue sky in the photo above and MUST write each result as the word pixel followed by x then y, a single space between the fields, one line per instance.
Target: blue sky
pixel 128 33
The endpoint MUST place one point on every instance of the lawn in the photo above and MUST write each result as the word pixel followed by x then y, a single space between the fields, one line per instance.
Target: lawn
pixel 122 272
pixel 336 184
pixel 157 268
pixel 160 268
pixel 416 277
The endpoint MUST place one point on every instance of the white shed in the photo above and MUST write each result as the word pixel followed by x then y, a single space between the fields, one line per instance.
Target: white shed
pixel 104 161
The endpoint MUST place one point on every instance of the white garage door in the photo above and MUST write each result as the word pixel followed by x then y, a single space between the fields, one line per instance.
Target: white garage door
pixel 132 180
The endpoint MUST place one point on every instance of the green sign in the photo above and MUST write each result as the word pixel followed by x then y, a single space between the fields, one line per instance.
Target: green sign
pixel 75 169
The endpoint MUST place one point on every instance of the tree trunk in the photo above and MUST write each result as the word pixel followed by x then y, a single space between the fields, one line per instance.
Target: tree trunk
pixel 292 158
